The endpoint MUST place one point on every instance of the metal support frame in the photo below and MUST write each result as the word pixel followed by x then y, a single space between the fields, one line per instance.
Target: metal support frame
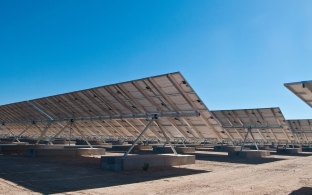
pixel 82 135
pixel 43 132
pixel 3 127
pixel 58 133
pixel 249 131
pixel 138 138
pixel 19 135
pixel 190 113
pixel 167 138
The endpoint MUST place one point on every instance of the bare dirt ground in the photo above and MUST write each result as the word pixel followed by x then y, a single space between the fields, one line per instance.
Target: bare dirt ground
pixel 213 173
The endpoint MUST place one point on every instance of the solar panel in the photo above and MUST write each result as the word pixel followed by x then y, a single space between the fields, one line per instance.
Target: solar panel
pixel 302 129
pixel 22 111
pixel 267 124
pixel 303 90
pixel 119 111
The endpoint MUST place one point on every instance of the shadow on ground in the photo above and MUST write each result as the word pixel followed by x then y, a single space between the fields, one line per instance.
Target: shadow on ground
pixel 302 191
pixel 59 176
pixel 225 158
pixel 299 154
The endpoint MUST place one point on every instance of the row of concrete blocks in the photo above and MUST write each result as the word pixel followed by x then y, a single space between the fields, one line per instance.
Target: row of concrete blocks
pixel 114 163
pixel 289 151
pixel 21 149
pixel 153 148
pixel 145 162
pixel 53 151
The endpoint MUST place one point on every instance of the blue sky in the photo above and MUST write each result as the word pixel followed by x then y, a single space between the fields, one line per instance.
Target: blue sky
pixel 235 54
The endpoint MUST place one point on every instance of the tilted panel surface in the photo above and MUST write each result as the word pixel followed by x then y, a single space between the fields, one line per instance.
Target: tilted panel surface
pixel 303 90
pixel 120 111
pixel 267 124
pixel 302 129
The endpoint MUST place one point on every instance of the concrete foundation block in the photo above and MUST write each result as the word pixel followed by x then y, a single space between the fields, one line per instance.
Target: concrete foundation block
pixel 20 143
pixel 168 150
pixel 185 150
pixel 13 149
pixel 227 148
pixel 162 150
pixel 90 151
pixel 40 152
pixel 118 142
pixel 64 142
pixel 136 148
pixel 65 152
pixel 203 146
pixel 261 147
pixel 86 146
pixel 143 147
pixel 144 162
pixel 205 149
pixel 250 154
pixel 289 151
pixel 46 147
pixel 307 149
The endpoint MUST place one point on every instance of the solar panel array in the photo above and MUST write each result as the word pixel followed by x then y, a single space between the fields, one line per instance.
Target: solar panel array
pixel 118 111
pixel 267 124
pixel 303 90
pixel 302 129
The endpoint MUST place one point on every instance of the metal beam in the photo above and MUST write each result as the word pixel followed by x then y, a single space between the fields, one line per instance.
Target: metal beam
pixel 58 133
pixel 82 135
pixel 167 138
pixel 242 147
pixel 138 138
pixel 169 114
pixel 43 132
pixel 19 135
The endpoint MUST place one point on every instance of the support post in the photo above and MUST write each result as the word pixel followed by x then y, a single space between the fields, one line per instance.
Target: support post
pixel 167 138
pixel 43 132
pixel 253 139
pixel 3 127
pixel 138 138
pixel 183 141
pixel 57 134
pixel 82 135
pixel 245 139
pixel 18 136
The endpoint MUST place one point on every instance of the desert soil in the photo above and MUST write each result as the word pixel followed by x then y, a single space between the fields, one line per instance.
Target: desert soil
pixel 213 173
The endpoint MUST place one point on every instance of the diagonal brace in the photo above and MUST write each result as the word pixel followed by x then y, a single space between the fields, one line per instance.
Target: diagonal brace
pixel 138 138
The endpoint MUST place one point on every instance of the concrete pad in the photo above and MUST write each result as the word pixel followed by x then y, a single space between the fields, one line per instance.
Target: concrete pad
pixel 66 152
pixel 288 151
pixel 250 154
pixel 118 142
pixel 22 149
pixel 141 162
pixel 204 149
pixel 307 149
pixel 168 150
pixel 143 147
pixel 261 147
pixel 203 146
pixel 90 151
pixel 13 149
pixel 42 146
pixel 92 142
pixel 86 146
pixel 227 148
pixel 64 142
pixel 162 150
pixel 185 150
pixel 20 143
pixel 136 148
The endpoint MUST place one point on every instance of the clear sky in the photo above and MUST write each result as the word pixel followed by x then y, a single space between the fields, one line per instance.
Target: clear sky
pixel 235 54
